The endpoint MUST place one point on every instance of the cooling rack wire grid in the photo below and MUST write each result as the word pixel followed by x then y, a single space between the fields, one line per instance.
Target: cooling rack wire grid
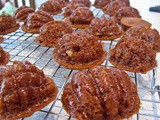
pixel 21 46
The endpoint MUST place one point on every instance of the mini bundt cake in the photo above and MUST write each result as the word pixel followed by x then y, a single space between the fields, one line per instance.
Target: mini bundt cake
pixel 51 7
pixel 4 57
pixel 51 32
pixel 21 13
pixel 79 51
pixel 80 18
pixel 134 55
pixel 1 39
pixel 127 11
pixel 128 22
pixel 62 3
pixel 71 7
pixel 8 24
pixel 35 21
pixel 24 90
pixel 150 35
pixel 113 7
pixel 105 28
pixel 101 3
pixel 101 94
pixel 87 3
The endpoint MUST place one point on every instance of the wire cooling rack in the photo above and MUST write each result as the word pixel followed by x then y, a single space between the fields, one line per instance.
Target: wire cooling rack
pixel 21 46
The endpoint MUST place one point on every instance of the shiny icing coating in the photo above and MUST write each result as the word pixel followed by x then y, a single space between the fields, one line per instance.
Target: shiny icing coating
pixel 101 3
pixel 150 35
pixel 52 31
pixel 104 27
pixel 134 55
pixel 87 3
pixel 79 48
pixel 101 94
pixel 22 13
pixel 23 87
pixel 113 7
pixel 82 15
pixel 51 7
pixel 71 7
pixel 7 22
pixel 62 3
pixel 38 19
pixel 126 12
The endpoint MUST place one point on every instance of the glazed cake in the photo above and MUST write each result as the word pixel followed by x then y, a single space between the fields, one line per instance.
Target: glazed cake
pixel 51 7
pixel 35 21
pixel 101 94
pixel 87 3
pixel 71 7
pixel 79 51
pixel 150 35
pixel 113 7
pixel 104 28
pixel 51 32
pixel 127 11
pixel 24 90
pixel 8 24
pixel 62 3
pixel 22 13
pixel 101 3
pixel 80 18
pixel 134 55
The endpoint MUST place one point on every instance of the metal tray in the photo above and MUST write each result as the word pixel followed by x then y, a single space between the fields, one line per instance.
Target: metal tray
pixel 21 46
